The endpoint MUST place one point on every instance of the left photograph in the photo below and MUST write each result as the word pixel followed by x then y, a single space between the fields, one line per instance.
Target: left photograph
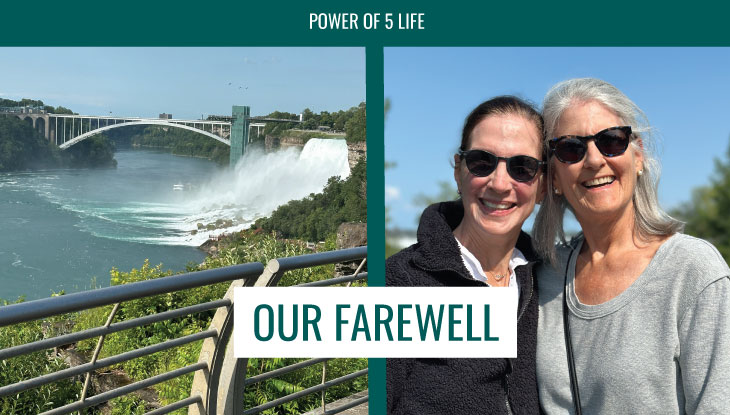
pixel 138 187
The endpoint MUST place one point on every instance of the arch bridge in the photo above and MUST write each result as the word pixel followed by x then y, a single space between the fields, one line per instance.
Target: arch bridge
pixel 65 130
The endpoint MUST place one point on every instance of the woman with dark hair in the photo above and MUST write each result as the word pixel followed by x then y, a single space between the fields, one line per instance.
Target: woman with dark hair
pixel 634 315
pixel 477 242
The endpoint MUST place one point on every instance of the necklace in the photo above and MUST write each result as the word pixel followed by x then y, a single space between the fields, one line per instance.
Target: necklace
pixel 498 277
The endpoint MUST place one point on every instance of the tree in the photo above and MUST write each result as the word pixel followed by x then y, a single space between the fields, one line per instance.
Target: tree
pixel 355 128
pixel 310 124
pixel 706 214
pixel 307 114
pixel 325 118
pixel 22 147
pixel 31 102
pixel 62 110
pixel 95 151
pixel 317 216
pixel 340 121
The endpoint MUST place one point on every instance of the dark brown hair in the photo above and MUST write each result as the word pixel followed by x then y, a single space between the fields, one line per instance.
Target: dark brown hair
pixel 501 105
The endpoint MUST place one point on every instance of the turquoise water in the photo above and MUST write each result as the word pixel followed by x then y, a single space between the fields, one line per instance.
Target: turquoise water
pixel 64 229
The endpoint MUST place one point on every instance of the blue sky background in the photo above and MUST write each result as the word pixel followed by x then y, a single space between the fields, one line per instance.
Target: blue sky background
pixel 186 82
pixel 685 92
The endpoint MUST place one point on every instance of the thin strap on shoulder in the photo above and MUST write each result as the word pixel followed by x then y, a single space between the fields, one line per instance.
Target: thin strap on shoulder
pixel 568 342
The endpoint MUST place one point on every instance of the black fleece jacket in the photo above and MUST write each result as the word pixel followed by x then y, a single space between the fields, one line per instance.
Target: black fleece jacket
pixel 461 386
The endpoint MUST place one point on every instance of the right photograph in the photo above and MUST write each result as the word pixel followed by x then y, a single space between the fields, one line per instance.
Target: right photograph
pixel 593 185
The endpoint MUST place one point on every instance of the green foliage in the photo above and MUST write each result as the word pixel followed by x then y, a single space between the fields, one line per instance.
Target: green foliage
pixel 352 122
pixel 25 102
pixel 307 135
pixel 255 246
pixel 36 103
pixel 706 214
pixel 128 405
pixel 62 110
pixel 356 126
pixel 319 215
pixel 247 246
pixel 181 142
pixel 160 362
pixel 95 151
pixel 263 392
pixel 22 147
pixel 32 365
pixel 390 249
pixel 446 191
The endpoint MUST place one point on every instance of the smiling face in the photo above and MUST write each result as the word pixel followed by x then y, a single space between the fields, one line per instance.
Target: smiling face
pixel 598 188
pixel 497 205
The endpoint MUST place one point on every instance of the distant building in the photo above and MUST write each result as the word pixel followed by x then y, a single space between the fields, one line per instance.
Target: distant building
pixel 164 116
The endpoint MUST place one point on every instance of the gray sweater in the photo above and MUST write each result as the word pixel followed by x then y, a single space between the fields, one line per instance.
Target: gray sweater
pixel 660 347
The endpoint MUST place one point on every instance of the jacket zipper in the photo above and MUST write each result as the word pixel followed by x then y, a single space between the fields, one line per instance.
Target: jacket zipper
pixel 522 311
pixel 509 361
pixel 506 387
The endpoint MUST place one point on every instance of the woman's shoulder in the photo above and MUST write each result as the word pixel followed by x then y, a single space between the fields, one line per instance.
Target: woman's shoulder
pixel 399 267
pixel 563 252
pixel 551 276
pixel 695 259
pixel 683 250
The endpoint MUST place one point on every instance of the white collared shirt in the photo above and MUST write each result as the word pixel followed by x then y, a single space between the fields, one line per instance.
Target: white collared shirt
pixel 475 269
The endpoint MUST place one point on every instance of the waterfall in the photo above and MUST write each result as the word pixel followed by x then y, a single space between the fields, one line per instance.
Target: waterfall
pixel 260 182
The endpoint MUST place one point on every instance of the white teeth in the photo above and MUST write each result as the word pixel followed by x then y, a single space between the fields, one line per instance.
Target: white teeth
pixel 497 206
pixel 599 181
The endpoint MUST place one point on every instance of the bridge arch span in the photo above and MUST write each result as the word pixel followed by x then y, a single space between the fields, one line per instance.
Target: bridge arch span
pixel 86 135
pixel 40 125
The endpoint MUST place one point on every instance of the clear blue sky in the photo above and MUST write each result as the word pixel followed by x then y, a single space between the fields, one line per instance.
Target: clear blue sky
pixel 685 93
pixel 186 82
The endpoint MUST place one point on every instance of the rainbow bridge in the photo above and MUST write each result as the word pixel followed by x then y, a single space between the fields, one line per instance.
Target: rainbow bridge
pixel 65 130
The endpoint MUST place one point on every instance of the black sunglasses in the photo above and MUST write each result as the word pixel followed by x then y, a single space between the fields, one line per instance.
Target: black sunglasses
pixel 611 142
pixel 482 163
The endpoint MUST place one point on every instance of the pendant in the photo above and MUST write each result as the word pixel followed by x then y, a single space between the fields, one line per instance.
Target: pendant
pixel 498 277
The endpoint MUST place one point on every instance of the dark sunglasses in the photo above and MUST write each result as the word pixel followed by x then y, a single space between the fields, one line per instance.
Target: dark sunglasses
pixel 611 142
pixel 482 163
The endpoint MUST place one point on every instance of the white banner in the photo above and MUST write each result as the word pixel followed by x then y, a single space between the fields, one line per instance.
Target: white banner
pixel 426 322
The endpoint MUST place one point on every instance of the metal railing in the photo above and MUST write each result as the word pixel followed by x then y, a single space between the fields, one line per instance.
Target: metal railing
pixel 220 379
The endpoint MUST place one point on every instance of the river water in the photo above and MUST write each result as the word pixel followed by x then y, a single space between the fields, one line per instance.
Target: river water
pixel 66 229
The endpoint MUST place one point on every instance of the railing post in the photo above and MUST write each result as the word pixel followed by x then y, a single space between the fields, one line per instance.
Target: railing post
pixel 221 387
pixel 99 345
pixel 214 385
pixel 271 275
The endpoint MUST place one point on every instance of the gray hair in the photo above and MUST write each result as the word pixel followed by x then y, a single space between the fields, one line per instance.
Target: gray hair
pixel 650 219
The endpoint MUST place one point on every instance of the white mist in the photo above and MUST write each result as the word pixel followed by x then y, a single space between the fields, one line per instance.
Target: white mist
pixel 261 182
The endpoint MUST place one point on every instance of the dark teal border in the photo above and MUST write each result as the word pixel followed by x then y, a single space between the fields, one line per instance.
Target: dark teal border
pixel 376 206
pixel 454 23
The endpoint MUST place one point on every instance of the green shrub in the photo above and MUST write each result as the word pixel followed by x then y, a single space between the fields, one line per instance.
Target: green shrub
pixel 32 365
pixel 248 246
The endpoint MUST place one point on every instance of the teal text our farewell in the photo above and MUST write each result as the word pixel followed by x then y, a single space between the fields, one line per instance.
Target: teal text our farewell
pixel 379 323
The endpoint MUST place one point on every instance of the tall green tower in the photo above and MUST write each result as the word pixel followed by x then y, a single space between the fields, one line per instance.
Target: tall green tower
pixel 239 132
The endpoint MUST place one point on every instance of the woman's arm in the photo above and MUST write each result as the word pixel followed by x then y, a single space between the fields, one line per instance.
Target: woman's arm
pixel 704 356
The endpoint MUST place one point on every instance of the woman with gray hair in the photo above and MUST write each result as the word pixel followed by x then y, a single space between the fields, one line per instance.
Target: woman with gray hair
pixel 634 315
